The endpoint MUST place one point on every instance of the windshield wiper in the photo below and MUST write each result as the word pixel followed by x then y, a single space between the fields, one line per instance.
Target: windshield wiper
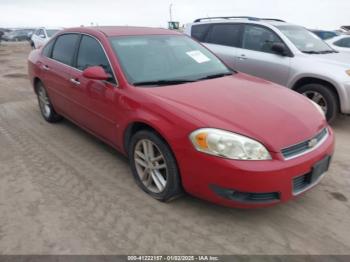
pixel 320 52
pixel 163 82
pixel 215 76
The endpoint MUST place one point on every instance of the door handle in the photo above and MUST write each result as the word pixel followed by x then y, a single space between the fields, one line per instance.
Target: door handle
pixel 75 81
pixel 46 68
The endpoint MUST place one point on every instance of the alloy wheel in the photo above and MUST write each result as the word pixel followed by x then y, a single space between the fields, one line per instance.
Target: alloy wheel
pixel 150 166
pixel 44 102
pixel 318 99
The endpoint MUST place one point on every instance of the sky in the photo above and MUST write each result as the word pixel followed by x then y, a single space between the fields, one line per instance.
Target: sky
pixel 316 14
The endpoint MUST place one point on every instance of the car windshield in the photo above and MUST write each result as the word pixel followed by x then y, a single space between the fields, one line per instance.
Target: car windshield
pixel 304 40
pixel 165 60
pixel 51 32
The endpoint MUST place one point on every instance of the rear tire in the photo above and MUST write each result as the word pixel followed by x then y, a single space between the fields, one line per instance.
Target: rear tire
pixel 159 178
pixel 46 108
pixel 324 97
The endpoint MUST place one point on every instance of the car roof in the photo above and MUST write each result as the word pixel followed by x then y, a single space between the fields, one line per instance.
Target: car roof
pixel 123 30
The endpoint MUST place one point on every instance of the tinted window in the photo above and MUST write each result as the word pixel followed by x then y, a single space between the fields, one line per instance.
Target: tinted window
pixel 199 32
pixel 345 42
pixel 258 38
pixel 91 54
pixel 64 48
pixel 47 49
pixel 224 34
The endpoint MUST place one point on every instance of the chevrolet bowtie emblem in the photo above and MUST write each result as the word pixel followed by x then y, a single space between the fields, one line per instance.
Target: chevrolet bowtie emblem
pixel 312 143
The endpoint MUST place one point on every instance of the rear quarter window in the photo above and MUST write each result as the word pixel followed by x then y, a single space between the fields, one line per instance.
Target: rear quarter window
pixel 199 32
pixel 47 49
pixel 224 34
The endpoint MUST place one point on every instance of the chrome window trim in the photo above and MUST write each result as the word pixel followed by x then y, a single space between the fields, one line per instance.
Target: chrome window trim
pixel 109 61
pixel 309 150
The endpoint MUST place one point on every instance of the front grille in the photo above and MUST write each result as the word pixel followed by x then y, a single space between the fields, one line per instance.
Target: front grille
pixel 246 197
pixel 306 146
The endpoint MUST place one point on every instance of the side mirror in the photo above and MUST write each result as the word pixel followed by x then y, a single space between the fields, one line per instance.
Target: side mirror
pixel 280 49
pixel 96 73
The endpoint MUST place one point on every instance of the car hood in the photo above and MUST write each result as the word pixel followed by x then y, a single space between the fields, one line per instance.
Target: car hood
pixel 269 113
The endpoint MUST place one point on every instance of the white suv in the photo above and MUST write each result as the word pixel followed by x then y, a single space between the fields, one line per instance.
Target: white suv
pixel 42 35
pixel 283 53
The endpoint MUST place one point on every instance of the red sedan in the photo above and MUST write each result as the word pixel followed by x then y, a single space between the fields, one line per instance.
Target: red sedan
pixel 186 121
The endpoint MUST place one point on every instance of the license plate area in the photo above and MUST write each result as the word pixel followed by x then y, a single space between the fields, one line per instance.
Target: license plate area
pixel 304 182
pixel 319 169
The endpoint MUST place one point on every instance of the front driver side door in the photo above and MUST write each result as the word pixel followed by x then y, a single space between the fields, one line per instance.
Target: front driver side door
pixel 97 98
pixel 256 57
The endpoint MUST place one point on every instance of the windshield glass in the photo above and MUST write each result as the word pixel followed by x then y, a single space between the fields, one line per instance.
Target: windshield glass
pixel 51 32
pixel 304 40
pixel 165 58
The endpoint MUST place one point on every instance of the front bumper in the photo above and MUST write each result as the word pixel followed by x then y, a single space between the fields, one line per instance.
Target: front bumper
pixel 210 177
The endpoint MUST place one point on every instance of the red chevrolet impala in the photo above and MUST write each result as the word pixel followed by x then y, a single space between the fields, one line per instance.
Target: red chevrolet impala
pixel 186 121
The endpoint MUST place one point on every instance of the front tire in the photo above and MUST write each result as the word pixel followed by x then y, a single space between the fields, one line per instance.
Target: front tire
pixel 46 108
pixel 154 167
pixel 324 97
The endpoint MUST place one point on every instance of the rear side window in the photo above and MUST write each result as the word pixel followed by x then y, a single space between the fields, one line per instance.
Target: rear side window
pixel 345 42
pixel 64 48
pixel 91 53
pixel 199 32
pixel 224 34
pixel 258 38
pixel 47 49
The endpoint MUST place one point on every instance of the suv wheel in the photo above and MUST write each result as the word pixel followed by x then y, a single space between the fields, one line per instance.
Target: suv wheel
pixel 46 108
pixel 324 97
pixel 154 166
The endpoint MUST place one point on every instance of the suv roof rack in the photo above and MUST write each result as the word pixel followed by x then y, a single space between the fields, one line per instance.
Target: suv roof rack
pixel 273 19
pixel 227 17
pixel 251 18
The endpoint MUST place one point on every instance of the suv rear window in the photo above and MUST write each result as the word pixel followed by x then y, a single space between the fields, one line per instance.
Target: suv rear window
pixel 64 48
pixel 199 32
pixel 224 34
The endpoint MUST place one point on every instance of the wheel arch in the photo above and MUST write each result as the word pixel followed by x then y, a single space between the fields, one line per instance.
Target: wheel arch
pixel 314 80
pixel 36 81
pixel 136 126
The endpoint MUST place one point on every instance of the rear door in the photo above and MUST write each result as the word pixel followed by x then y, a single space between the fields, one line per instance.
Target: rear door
pixel 256 57
pixel 57 68
pixel 97 109
pixel 223 39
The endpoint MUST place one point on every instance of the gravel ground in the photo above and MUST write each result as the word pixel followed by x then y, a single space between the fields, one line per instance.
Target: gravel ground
pixel 64 192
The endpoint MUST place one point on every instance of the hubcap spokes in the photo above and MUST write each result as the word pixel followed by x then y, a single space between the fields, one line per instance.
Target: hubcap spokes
pixel 318 99
pixel 150 165
pixel 44 102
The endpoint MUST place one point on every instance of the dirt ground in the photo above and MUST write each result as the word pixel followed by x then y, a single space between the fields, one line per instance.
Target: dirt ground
pixel 64 192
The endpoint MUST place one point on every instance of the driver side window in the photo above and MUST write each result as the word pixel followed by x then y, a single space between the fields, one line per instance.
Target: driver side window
pixel 91 54
pixel 260 39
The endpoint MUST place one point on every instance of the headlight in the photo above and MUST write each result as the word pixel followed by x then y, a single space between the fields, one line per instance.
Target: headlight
pixel 229 145
pixel 318 108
